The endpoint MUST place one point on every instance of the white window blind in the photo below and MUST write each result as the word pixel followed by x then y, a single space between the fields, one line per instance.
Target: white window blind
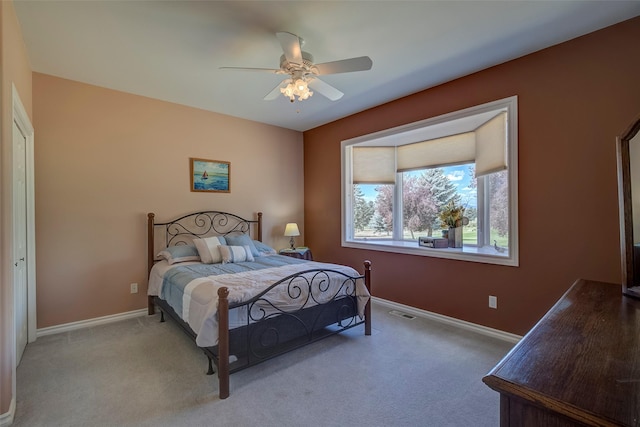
pixel 450 150
pixel 374 165
pixel 486 146
pixel 491 145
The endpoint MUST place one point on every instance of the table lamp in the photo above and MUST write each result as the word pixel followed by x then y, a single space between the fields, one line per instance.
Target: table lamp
pixel 291 230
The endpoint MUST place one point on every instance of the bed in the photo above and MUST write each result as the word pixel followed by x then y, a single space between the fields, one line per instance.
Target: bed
pixel 239 300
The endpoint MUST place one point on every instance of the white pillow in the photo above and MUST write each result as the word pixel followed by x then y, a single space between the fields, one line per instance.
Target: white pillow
pixel 235 253
pixel 208 249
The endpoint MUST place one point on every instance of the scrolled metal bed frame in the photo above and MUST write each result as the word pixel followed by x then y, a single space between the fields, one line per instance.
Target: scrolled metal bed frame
pixel 268 330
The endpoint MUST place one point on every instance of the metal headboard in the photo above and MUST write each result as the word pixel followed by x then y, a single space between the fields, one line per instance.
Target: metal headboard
pixel 183 230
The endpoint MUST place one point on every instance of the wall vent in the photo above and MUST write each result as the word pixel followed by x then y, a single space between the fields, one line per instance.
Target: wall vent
pixel 401 314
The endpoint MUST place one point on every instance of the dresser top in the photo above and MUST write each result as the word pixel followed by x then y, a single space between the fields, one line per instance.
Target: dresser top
pixel 581 358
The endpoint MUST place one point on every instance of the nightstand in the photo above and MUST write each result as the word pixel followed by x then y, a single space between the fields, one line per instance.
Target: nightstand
pixel 300 253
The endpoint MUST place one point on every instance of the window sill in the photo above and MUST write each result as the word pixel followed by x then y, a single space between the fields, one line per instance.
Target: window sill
pixel 485 254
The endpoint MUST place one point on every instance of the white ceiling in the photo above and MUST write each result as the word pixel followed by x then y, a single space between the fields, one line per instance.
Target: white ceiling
pixel 172 50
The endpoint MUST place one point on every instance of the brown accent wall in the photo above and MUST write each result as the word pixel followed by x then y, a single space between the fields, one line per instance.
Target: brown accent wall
pixel 106 158
pixel 573 100
pixel 15 71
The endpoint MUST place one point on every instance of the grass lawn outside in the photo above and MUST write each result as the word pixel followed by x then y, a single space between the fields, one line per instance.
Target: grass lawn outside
pixel 469 236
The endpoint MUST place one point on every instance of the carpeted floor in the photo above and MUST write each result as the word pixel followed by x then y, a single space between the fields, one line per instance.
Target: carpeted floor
pixel 140 372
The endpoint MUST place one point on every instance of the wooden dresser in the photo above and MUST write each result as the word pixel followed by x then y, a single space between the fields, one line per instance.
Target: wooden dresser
pixel 578 366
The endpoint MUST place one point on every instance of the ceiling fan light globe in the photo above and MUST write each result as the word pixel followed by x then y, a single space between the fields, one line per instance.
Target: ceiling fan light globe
pixel 305 95
pixel 301 85
pixel 296 86
pixel 288 91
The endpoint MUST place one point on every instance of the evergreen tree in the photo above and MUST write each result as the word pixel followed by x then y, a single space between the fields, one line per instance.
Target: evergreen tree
pixel 380 225
pixel 442 192
pixel 442 189
pixel 362 210
pixel 384 209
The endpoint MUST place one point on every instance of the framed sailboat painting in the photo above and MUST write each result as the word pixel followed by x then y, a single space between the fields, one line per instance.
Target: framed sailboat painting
pixel 210 175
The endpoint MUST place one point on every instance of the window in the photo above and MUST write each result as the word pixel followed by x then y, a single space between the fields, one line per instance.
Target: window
pixel 398 183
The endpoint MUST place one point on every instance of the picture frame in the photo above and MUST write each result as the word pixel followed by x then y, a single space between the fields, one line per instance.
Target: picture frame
pixel 210 176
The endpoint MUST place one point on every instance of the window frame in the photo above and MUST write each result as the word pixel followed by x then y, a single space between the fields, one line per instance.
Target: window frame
pixel 417 131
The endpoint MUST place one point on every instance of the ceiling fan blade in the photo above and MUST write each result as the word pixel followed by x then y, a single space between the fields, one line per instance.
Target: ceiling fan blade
pixel 276 91
pixel 361 63
pixel 270 70
pixel 325 89
pixel 290 46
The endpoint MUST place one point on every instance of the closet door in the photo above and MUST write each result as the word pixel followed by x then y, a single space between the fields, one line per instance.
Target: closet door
pixel 20 240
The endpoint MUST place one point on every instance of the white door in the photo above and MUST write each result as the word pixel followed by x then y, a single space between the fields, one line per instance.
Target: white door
pixel 20 240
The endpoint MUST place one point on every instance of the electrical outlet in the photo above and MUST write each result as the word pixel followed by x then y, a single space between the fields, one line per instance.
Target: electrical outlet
pixel 134 288
pixel 493 301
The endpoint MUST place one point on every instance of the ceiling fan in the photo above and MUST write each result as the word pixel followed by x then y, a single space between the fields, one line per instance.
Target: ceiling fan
pixel 303 73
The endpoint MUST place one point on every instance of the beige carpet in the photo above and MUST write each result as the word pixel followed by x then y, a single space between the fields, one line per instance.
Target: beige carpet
pixel 141 372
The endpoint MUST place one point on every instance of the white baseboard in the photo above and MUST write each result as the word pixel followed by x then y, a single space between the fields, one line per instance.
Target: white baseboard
pixel 6 419
pixel 90 322
pixel 484 330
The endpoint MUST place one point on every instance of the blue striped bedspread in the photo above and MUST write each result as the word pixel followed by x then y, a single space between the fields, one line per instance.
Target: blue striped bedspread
pixel 176 280
pixel 191 289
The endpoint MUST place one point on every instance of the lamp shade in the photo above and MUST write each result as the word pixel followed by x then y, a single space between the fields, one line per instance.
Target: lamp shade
pixel 291 229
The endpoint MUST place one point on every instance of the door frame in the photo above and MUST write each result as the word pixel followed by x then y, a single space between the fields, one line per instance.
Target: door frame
pixel 21 118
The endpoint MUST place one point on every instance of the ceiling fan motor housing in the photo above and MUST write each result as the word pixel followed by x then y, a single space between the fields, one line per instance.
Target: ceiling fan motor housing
pixel 306 68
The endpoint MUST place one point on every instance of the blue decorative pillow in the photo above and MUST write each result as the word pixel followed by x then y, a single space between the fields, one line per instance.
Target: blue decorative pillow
pixel 180 253
pixel 235 254
pixel 242 240
pixel 264 249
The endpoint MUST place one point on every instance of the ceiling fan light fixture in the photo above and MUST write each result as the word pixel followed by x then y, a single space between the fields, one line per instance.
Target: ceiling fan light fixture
pixel 298 65
pixel 298 88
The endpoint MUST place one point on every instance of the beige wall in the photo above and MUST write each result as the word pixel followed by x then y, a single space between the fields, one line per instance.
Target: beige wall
pixel 573 100
pixel 106 158
pixel 15 70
